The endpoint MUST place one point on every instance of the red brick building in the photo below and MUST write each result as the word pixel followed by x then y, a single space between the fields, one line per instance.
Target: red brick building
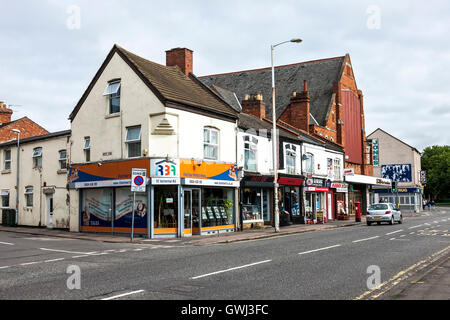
pixel 28 128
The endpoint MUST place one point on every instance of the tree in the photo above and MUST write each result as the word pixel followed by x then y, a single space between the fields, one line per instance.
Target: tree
pixel 436 162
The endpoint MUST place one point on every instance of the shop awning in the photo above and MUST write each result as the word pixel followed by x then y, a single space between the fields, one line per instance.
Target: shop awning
pixel 363 179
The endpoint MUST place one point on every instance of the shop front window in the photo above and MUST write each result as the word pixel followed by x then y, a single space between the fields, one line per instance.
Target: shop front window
pixel 217 207
pixel 124 203
pixel 96 210
pixel 251 207
pixel 166 207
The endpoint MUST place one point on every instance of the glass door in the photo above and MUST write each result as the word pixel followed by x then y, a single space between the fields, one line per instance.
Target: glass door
pixel 196 204
pixel 187 212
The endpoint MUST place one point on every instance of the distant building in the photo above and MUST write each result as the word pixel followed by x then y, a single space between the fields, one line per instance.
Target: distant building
pixel 28 128
pixel 397 161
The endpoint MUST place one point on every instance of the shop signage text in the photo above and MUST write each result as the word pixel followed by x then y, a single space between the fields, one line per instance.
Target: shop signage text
pixel 317 189
pixel 349 172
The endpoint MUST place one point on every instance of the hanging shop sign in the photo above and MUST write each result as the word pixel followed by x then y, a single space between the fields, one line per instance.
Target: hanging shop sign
pixel 349 172
pixel 105 174
pixel 375 153
pixel 340 187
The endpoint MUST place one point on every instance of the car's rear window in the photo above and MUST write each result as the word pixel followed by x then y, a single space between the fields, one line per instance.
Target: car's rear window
pixel 378 206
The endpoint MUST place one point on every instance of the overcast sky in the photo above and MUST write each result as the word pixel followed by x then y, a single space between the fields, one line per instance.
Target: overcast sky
pixel 400 50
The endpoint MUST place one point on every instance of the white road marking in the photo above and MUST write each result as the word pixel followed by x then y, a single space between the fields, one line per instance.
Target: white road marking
pixel 394 232
pixel 54 260
pixel 5 267
pixel 415 226
pixel 365 239
pixel 65 251
pixel 29 263
pixel 7 243
pixel 123 295
pixel 335 246
pixel 231 269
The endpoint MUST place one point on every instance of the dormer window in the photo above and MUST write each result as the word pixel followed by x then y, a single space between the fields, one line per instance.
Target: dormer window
pixel 112 91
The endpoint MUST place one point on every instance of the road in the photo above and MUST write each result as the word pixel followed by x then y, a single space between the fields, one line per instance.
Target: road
pixel 330 264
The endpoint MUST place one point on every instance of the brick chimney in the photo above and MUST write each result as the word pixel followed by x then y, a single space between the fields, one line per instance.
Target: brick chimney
pixel 253 104
pixel 5 113
pixel 297 112
pixel 181 57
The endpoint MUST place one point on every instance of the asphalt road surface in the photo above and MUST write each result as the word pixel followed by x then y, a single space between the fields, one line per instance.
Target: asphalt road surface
pixel 341 263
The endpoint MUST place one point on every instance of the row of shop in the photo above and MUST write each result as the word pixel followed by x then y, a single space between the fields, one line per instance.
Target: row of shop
pixel 185 197
pixel 301 200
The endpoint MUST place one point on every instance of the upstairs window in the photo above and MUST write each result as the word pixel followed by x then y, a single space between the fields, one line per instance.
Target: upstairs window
pixel 337 169
pixel 62 160
pixel 210 143
pixel 250 153
pixel 7 164
pixel 133 141
pixel 291 156
pixel 37 158
pixel 87 149
pixel 309 163
pixel 112 91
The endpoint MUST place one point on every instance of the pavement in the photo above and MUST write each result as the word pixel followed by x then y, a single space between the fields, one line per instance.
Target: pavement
pixel 196 240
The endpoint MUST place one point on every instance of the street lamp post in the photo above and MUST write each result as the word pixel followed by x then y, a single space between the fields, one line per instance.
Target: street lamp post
pixel 274 139
pixel 17 174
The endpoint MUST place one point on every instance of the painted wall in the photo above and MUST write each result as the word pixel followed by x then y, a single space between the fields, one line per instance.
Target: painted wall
pixel 48 177
pixel 321 155
pixel 264 155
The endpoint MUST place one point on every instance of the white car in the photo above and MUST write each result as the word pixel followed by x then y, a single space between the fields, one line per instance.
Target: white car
pixel 383 212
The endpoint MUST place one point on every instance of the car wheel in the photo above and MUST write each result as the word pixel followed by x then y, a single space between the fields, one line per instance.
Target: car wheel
pixel 401 220
pixel 392 220
pixel 378 223
pixel 369 223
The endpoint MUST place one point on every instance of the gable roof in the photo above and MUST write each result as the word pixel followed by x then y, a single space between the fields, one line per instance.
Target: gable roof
pixel 379 129
pixel 320 75
pixel 37 138
pixel 169 84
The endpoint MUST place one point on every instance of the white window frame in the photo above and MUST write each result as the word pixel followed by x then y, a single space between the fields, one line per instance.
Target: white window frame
pixel 4 193
pixel 7 160
pixel 309 157
pixel 29 192
pixel 209 144
pixel 87 149
pixel 337 169
pixel 37 157
pixel 251 145
pixel 129 142
pixel 290 151
pixel 61 160
pixel 113 92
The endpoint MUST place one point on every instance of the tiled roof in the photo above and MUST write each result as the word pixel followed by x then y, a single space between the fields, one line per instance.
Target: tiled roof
pixel 169 84
pixel 320 75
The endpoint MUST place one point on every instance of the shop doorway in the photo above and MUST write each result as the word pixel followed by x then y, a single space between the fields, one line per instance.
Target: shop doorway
pixel 191 210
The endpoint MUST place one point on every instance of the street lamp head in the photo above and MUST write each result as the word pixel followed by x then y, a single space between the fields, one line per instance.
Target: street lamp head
pixel 296 40
pixel 15 130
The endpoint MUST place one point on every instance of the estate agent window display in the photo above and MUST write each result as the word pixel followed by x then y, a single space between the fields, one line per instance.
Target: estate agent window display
pixel 217 207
